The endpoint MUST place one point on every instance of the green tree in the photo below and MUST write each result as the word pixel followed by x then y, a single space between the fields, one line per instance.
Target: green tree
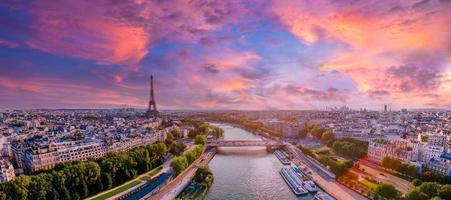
pixel 416 182
pixel 415 194
pixel 91 171
pixel 176 133
pixel 99 185
pixel 445 192
pixel 107 181
pixel 190 157
pixel 218 132
pixel 387 191
pixel 327 136
pixel 177 149
pixel 142 157
pixel 307 151
pixel 76 180
pixel 200 139
pixel 204 175
pixel 351 148
pixel 411 171
pixel 3 195
pixel 39 186
pixel 169 136
pixel 203 128
pixel 178 164
pixel 84 191
pixel 429 188
pixel 427 176
pixel 18 188
pixel 317 132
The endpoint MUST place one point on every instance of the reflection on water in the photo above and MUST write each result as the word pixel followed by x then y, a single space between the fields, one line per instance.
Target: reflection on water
pixel 247 172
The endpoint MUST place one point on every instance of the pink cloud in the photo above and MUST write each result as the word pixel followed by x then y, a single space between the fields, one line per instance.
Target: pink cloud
pixel 122 33
pixel 9 44
pixel 380 39
pixel 12 83
pixel 56 92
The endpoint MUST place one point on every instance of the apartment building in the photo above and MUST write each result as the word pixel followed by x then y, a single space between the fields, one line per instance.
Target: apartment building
pixel 6 171
pixel 427 152
pixel 442 165
pixel 404 150
pixel 47 157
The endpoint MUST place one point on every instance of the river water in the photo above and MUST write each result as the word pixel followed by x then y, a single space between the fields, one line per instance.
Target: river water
pixel 247 172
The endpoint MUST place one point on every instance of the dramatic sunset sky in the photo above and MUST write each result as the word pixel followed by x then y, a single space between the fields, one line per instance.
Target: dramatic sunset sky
pixel 237 54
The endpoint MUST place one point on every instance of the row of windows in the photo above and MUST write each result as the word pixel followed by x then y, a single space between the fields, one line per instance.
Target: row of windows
pixel 48 161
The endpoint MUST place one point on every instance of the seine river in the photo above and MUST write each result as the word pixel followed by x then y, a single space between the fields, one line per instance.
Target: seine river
pixel 247 172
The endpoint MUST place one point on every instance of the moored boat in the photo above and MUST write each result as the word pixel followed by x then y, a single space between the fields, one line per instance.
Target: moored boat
pixel 293 182
pixel 282 157
pixel 310 186
pixel 323 196
pixel 298 172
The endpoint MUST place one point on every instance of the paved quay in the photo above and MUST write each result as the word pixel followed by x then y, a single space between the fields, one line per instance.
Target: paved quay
pixel 330 185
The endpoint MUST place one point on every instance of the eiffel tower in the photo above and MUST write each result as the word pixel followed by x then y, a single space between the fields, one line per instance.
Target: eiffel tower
pixel 152 109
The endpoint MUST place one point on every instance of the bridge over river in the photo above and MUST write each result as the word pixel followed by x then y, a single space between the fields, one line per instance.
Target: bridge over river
pixel 244 143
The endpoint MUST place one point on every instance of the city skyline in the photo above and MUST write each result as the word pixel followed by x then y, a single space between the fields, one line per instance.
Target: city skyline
pixel 249 55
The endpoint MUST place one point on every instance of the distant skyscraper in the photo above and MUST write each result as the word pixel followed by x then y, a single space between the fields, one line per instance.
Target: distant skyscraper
pixel 152 109
pixel 385 108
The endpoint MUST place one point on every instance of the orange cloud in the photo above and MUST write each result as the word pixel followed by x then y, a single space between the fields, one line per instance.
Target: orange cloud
pixel 235 84
pixel 377 39
pixel 231 60
pixel 103 41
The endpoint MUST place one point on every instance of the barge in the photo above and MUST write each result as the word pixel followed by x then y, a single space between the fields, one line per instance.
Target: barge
pixel 293 181
pixel 323 196
pixel 310 186
pixel 282 157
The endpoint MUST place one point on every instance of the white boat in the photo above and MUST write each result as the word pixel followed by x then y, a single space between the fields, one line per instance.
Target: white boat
pixel 292 181
pixel 282 157
pixel 310 186
pixel 323 196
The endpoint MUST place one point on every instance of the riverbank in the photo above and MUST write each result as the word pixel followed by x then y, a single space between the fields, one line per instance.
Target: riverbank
pixel 129 185
pixel 324 181
pixel 174 187
pixel 199 185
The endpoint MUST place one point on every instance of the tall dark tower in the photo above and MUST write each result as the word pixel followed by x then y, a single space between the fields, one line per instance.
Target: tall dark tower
pixel 152 109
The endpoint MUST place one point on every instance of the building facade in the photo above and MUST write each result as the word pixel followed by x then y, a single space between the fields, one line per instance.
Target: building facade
pixel 404 150
pixel 429 152
pixel 47 157
pixel 6 171
pixel 442 165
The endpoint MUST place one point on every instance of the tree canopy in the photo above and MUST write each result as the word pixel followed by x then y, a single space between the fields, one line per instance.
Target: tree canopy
pixel 78 180
pixel 416 195
pixel 387 191
pixel 200 139
pixel 351 148
pixel 204 175
pixel 430 188
pixel 180 163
